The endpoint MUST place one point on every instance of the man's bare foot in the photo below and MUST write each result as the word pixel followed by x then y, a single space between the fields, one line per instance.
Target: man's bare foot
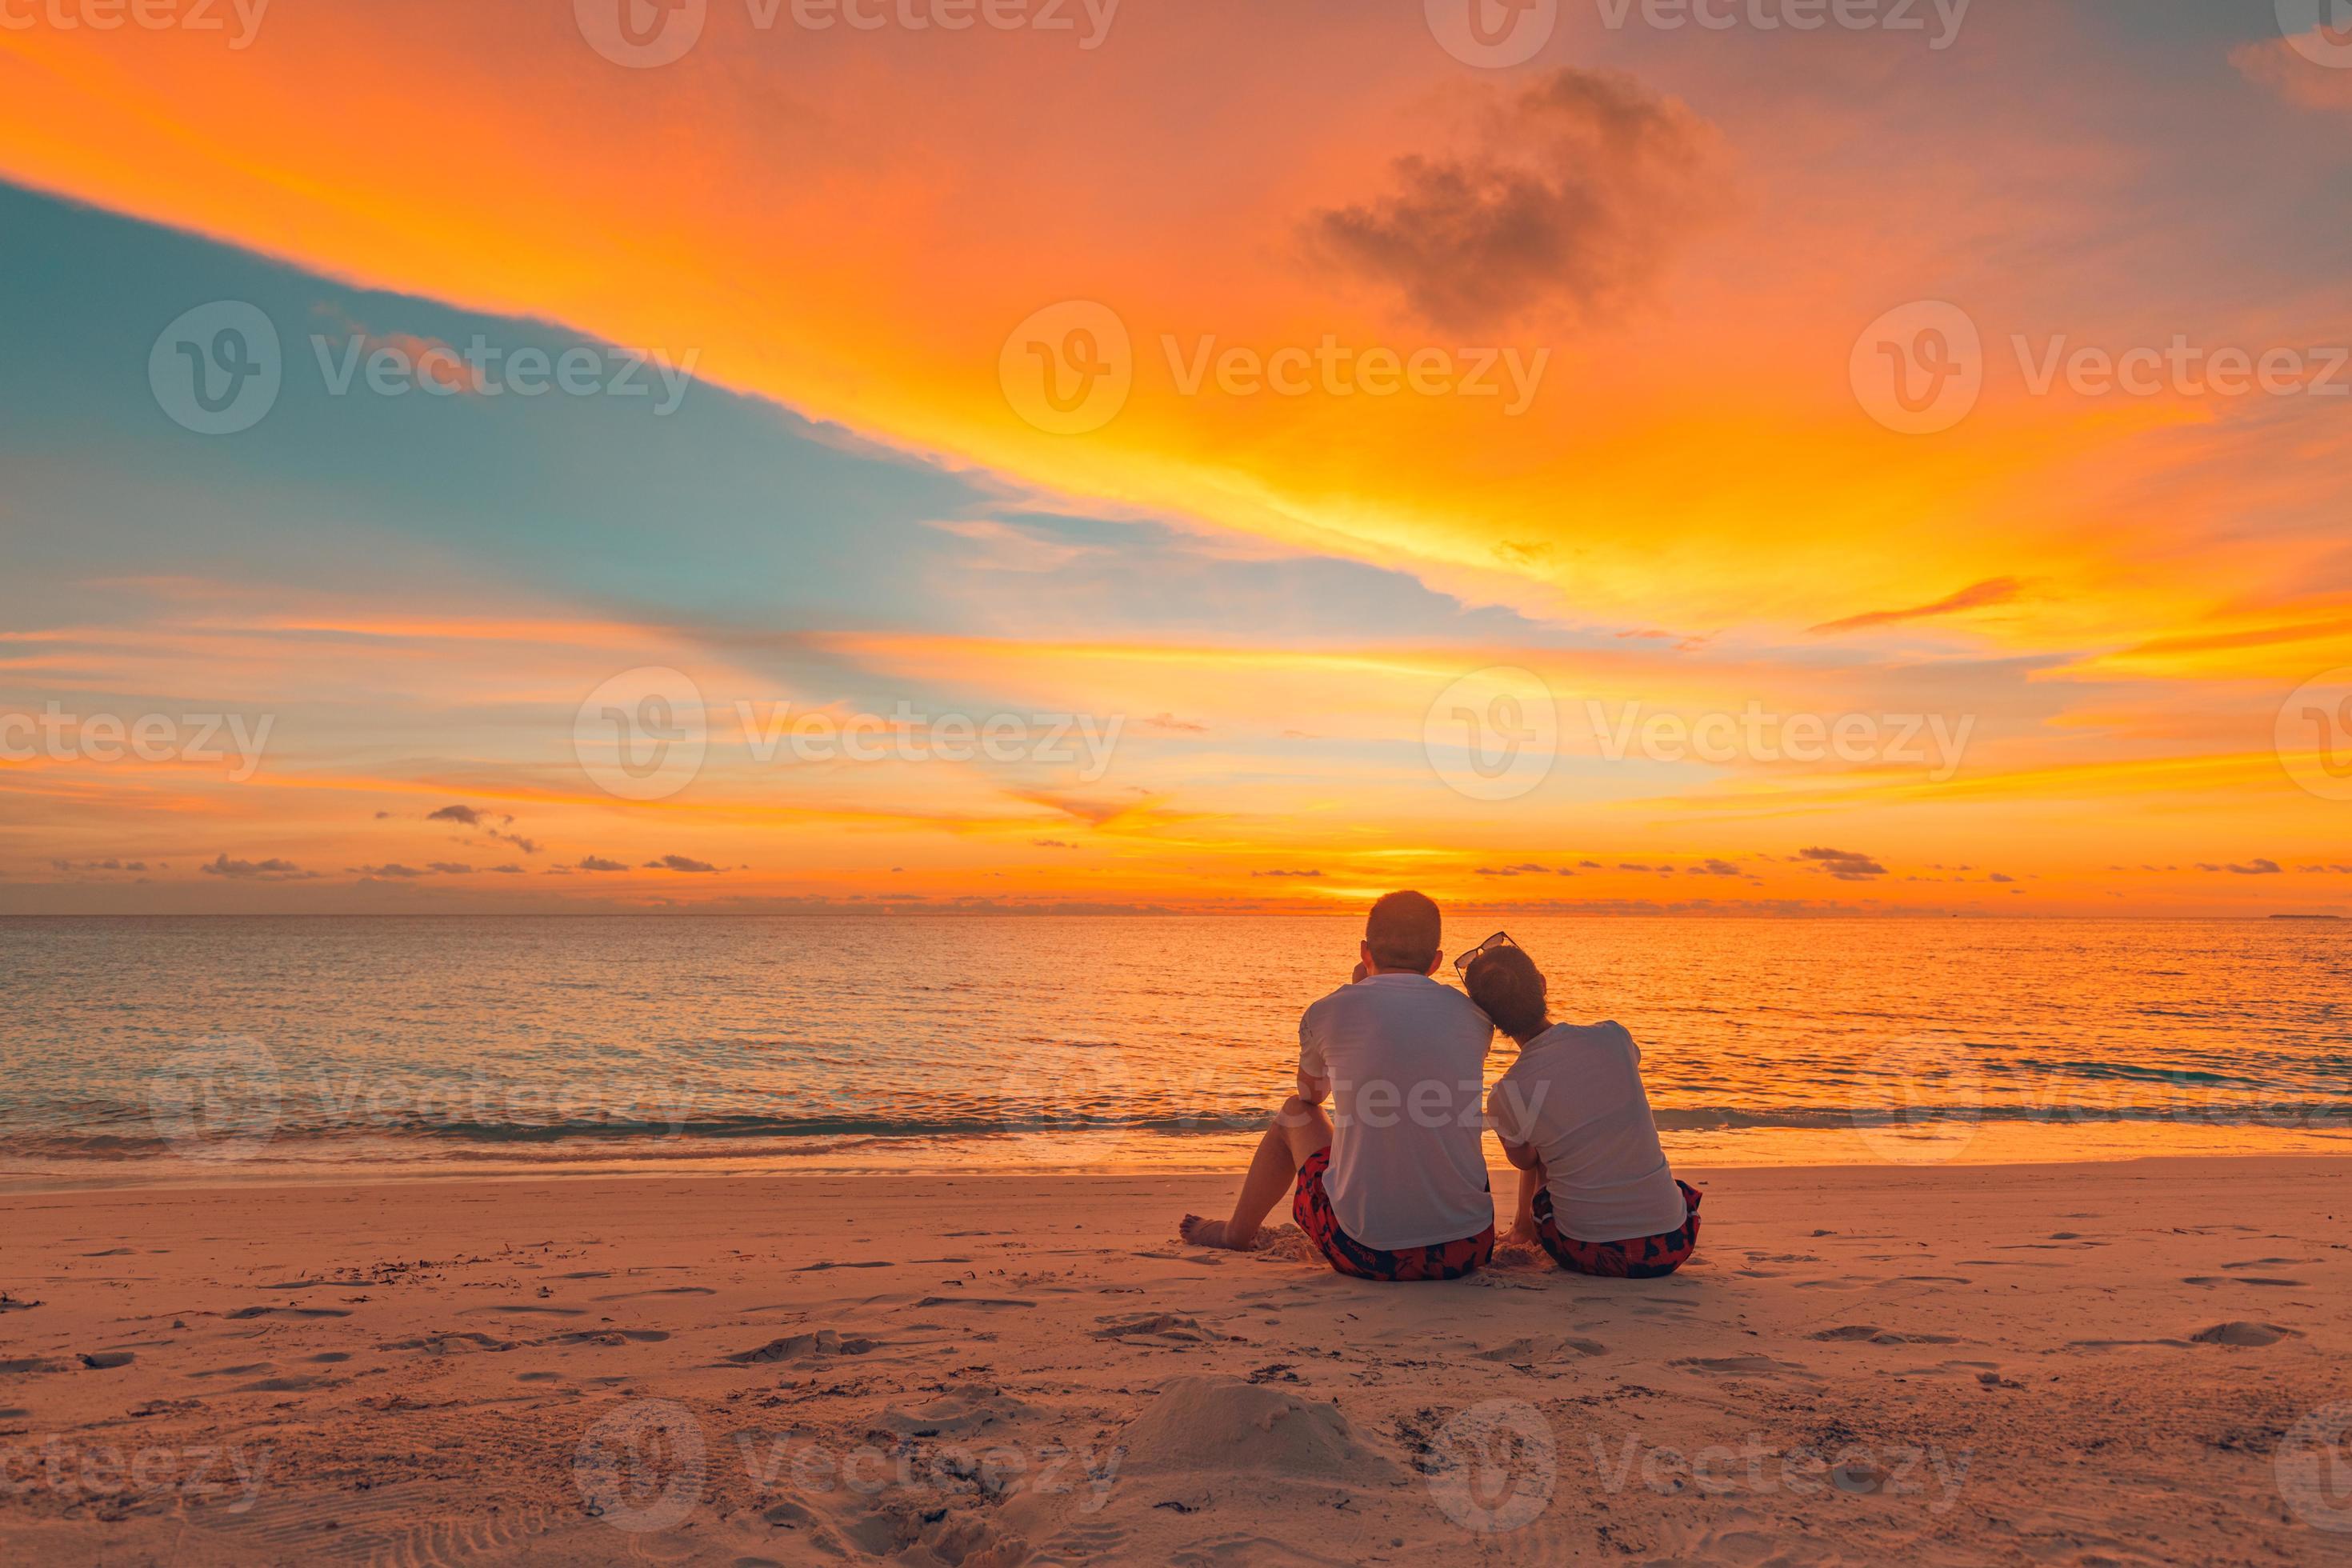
pixel 1211 1232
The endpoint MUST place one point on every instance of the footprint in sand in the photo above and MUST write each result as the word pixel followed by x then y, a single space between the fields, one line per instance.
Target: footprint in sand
pixel 452 1343
pixel 103 1361
pixel 1167 1327
pixel 2244 1334
pixel 1535 1350
pixel 244 1312
pixel 802 1347
pixel 1744 1366
pixel 1859 1331
pixel 611 1337
pixel 2237 1279
pixel 974 1301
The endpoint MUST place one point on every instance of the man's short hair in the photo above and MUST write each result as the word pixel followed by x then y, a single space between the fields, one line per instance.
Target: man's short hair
pixel 1509 989
pixel 1403 931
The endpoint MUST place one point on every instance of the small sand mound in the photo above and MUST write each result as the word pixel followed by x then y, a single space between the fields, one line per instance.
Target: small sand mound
pixel 2239 1333
pixel 1220 1424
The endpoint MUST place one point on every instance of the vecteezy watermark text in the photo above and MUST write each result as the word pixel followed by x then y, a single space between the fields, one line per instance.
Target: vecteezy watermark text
pixel 1920 368
pixel 63 737
pixel 644 734
pixel 1754 734
pixel 103 1472
pixel 146 16
pixel 1069 369
pixel 644 34
pixel 1793 16
pixel 482 369
pixel 1756 1467
pixel 218 369
pixel 1338 370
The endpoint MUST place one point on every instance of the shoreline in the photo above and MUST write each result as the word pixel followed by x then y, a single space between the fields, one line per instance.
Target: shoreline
pixel 1111 1155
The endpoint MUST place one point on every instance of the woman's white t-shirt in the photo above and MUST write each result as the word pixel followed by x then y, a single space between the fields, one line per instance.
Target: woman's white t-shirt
pixel 1575 1097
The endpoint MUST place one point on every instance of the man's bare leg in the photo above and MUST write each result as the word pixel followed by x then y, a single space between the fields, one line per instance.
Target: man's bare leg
pixel 1297 1131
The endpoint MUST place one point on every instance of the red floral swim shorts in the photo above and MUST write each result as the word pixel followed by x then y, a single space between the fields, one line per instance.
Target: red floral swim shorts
pixel 1311 1207
pixel 1643 1257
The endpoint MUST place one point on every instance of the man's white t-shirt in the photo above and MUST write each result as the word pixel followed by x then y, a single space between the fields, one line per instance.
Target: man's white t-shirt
pixel 1575 1097
pixel 1407 1060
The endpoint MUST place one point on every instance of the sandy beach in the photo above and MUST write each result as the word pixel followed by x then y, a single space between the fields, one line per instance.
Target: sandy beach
pixel 2116 1363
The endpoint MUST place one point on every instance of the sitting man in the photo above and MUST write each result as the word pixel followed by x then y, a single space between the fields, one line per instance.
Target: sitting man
pixel 1394 1185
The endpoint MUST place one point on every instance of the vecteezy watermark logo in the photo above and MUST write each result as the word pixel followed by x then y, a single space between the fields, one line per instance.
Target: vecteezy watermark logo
pixel 1917 1102
pixel 1494 734
pixel 1491 34
pixel 218 1100
pixel 1494 1467
pixel 2314 734
pixel 2313 1463
pixel 1919 368
pixel 216 369
pixel 641 34
pixel 1069 368
pixel 1081 1097
pixel 642 734
pixel 2320 30
pixel 641 1467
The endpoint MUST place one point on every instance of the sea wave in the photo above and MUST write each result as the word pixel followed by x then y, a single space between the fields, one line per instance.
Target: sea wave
pixel 726 1133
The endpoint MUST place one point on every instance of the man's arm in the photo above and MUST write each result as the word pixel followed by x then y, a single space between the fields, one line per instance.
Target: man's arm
pixel 1312 1090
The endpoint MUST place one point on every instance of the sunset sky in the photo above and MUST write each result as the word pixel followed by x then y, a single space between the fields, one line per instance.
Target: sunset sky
pixel 2062 635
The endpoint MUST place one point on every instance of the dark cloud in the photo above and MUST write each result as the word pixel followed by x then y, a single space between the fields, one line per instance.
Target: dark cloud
pixel 1845 864
pixel 1715 869
pixel 465 814
pixel 1285 873
pixel 598 863
pixel 1053 844
pixel 1181 726
pixel 393 871
pixel 1526 869
pixel 1569 196
pixel 680 863
pixel 507 870
pixel 1998 876
pixel 270 870
pixel 1975 596
pixel 450 868
pixel 528 845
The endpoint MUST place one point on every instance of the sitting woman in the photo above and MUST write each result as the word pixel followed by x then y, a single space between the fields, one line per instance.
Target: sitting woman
pixel 1594 1189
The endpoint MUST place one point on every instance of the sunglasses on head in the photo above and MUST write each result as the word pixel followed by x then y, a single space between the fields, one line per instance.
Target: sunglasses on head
pixel 1500 939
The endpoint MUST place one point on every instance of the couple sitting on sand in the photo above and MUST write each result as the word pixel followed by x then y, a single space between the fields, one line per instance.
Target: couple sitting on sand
pixel 1392 1185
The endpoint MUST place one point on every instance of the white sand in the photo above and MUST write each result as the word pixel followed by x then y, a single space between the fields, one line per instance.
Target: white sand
pixel 2111 1363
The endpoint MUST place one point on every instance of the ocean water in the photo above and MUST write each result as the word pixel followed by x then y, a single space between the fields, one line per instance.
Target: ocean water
pixel 138 1049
